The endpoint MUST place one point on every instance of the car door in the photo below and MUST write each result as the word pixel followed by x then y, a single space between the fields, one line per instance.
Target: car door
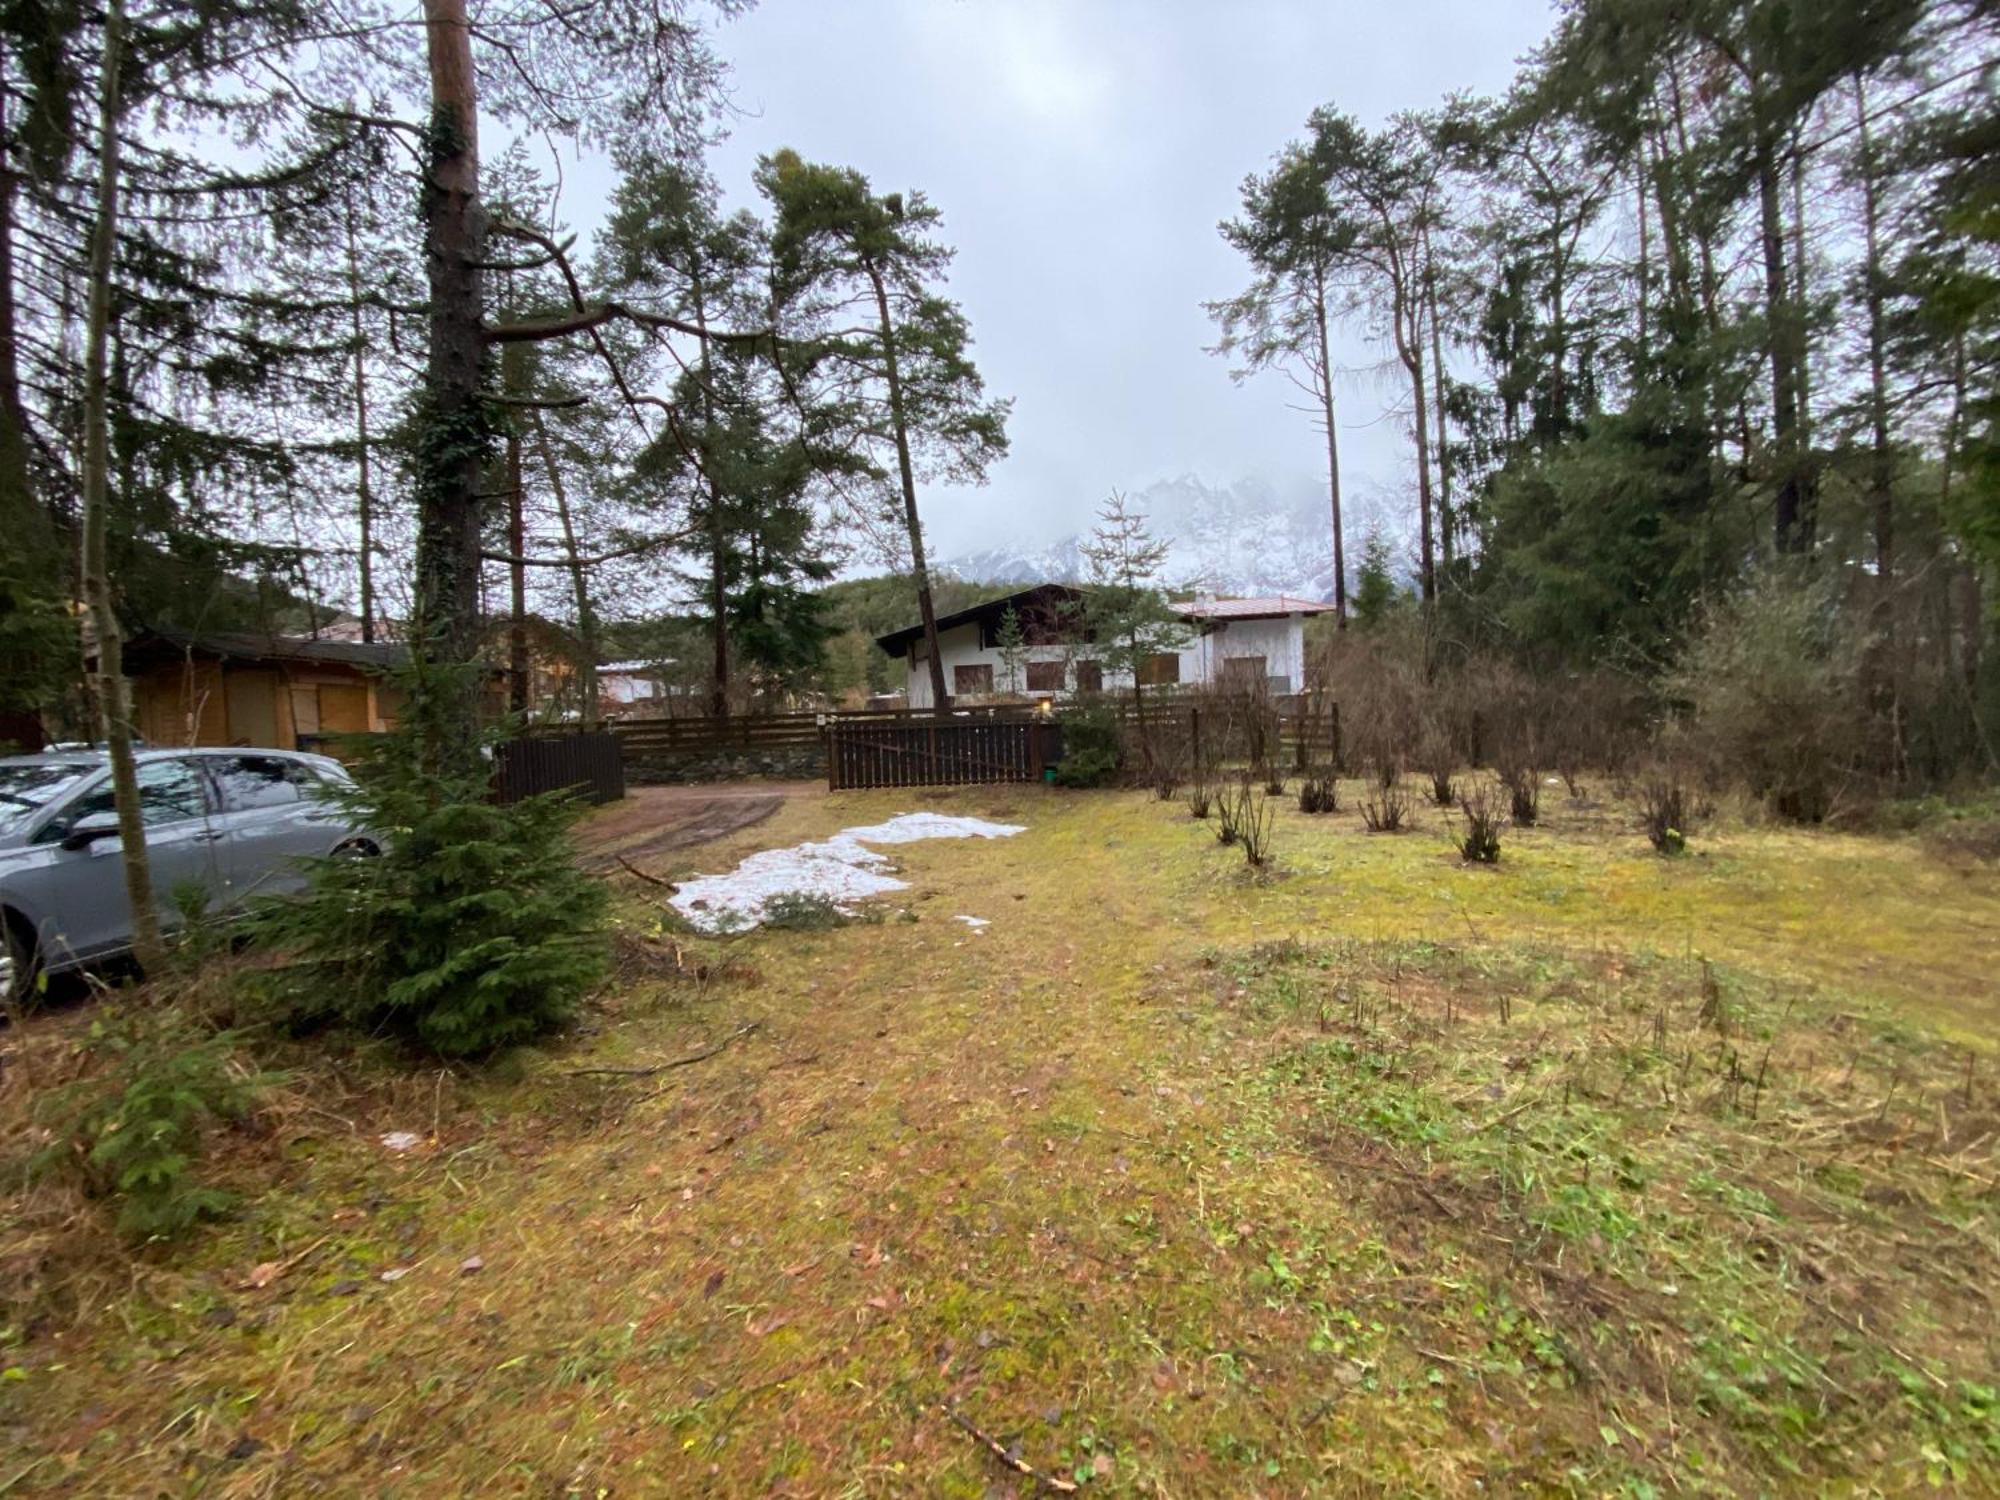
pixel 79 894
pixel 273 817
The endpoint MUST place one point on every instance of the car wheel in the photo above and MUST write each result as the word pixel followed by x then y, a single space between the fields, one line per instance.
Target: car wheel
pixel 20 963
pixel 356 849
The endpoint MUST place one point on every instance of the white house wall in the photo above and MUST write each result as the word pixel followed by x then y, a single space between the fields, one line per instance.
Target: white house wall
pixel 1280 642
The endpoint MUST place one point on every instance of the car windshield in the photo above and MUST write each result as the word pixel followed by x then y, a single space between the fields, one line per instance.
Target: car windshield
pixel 26 787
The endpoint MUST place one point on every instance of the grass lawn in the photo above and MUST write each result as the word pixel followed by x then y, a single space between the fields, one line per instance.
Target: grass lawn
pixel 1592 1173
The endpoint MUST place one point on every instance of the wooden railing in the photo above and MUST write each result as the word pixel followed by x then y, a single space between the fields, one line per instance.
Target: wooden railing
pixel 939 751
pixel 1298 729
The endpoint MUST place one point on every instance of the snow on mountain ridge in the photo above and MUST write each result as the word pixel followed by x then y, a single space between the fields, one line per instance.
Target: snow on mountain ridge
pixel 1242 540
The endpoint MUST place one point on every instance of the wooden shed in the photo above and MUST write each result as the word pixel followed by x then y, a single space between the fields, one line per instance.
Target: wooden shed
pixel 281 692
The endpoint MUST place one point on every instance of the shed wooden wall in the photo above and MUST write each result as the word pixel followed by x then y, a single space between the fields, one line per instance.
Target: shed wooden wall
pixel 267 705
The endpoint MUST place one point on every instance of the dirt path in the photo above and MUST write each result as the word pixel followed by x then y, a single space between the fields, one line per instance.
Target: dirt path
pixel 656 820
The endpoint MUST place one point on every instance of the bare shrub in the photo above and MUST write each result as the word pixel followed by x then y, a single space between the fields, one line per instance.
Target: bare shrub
pixel 1200 790
pixel 1387 810
pixel 1480 843
pixel 1771 685
pixel 1524 793
pixel 1377 679
pixel 1168 768
pixel 1230 804
pixel 1239 722
pixel 1274 782
pixel 1254 819
pixel 1319 793
pixel 1969 842
pixel 1667 810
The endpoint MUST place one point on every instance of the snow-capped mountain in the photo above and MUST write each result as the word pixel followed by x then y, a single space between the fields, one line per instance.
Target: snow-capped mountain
pixel 1242 539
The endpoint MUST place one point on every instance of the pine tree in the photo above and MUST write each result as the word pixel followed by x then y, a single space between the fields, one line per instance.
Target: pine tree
pixel 1375 593
pixel 899 377
pixel 472 929
pixel 1303 252
pixel 1126 613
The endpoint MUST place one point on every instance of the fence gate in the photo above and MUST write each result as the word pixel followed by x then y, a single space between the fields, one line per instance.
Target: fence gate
pixel 938 752
pixel 591 765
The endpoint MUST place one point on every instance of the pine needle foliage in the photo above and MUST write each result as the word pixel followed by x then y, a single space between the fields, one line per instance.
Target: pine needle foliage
pixel 472 930
pixel 131 1126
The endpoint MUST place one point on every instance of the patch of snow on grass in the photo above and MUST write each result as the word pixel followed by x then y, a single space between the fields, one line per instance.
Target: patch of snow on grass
pixel 907 828
pixel 840 869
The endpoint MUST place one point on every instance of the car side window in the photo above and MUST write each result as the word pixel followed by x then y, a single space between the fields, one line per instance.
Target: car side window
pixel 252 781
pixel 169 792
pixel 255 783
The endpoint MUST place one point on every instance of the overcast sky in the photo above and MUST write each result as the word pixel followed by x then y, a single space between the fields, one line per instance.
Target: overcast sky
pixel 1082 154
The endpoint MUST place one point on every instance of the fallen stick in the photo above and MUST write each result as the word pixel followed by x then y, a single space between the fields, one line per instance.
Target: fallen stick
pixel 632 869
pixel 668 1067
pixel 1019 1466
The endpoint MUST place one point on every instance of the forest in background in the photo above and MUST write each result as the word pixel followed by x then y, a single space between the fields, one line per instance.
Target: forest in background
pixel 1700 313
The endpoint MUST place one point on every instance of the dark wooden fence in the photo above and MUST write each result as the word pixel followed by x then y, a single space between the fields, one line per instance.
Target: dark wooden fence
pixel 890 747
pixel 590 764
pixel 938 751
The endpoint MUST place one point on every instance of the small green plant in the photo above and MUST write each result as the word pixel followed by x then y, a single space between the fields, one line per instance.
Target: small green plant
pixel 1480 844
pixel 471 929
pixel 1093 748
pixel 131 1127
pixel 804 911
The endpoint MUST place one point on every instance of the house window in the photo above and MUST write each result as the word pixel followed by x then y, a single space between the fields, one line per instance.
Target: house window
pixel 970 681
pixel 1090 677
pixel 1162 669
pixel 1045 677
pixel 1243 671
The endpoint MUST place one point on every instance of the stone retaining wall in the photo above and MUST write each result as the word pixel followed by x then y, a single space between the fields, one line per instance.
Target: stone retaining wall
pixel 799 763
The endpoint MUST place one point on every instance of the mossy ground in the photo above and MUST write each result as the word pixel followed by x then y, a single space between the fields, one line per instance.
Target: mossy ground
pixel 1593 1172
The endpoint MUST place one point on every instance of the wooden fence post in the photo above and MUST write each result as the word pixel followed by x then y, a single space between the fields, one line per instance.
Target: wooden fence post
pixel 1333 735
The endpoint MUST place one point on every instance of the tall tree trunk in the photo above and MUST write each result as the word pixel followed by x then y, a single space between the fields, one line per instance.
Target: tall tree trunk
pixel 454 425
pixel 113 695
pixel 23 520
pixel 1710 282
pixel 586 615
pixel 718 530
pixel 1406 317
pixel 519 684
pixel 1645 247
pixel 920 571
pixel 1444 516
pixel 514 383
pixel 1325 357
pixel 364 497
pixel 1802 317
pixel 1881 463
pixel 1792 531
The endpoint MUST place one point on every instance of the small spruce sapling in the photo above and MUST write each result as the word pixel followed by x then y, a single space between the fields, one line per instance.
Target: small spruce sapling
pixel 472 930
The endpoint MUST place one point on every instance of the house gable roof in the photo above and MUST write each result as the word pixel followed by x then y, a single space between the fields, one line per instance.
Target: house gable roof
pixel 1272 607
pixel 1049 600
pixel 151 647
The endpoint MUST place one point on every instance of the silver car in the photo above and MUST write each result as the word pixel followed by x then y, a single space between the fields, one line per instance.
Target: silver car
pixel 221 826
